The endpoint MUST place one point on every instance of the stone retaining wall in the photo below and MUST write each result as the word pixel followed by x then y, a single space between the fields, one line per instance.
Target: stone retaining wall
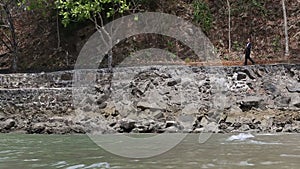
pixel 153 99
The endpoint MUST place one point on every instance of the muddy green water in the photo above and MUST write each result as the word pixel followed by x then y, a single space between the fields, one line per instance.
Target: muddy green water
pixel 265 151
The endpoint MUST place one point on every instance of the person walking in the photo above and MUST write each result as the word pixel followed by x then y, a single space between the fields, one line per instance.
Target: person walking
pixel 247 52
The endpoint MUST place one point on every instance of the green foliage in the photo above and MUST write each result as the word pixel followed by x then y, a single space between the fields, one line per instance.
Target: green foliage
pixel 202 14
pixel 276 43
pixel 226 57
pixel 187 60
pixel 170 44
pixel 258 4
pixel 241 6
pixel 79 10
pixel 237 46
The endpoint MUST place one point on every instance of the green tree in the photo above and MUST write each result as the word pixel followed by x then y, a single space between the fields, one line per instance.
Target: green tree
pixel 80 10
pixel 202 14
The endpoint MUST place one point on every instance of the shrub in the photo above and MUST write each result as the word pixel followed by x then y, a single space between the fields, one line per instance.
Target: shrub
pixel 202 14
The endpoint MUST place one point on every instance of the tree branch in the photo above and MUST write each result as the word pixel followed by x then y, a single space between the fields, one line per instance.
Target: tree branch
pixel 6 45
pixel 7 38
pixel 4 26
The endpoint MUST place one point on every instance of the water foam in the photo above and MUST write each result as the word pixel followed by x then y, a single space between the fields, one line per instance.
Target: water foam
pixel 245 163
pixel 98 165
pixel 262 143
pixel 241 137
pixel 290 155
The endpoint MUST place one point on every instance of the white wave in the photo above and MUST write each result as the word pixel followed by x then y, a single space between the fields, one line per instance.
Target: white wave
pixel 98 165
pixel 290 155
pixel 262 143
pixel 245 163
pixel 6 151
pixel 267 134
pixel 273 134
pixel 60 164
pixel 31 160
pixel 3 158
pixel 76 166
pixel 270 162
pixel 241 137
pixel 209 165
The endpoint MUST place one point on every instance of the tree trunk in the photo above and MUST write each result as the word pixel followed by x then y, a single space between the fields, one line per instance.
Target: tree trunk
pixel 57 30
pixel 229 26
pixel 285 29
pixel 101 30
pixel 13 39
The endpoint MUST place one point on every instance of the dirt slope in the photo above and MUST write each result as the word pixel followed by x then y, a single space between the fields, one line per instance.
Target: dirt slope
pixel 263 21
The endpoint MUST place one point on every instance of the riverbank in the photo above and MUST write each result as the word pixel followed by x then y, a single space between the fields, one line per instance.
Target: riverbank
pixel 153 99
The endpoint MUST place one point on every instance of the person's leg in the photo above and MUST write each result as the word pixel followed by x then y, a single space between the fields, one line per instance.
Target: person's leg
pixel 246 57
pixel 251 60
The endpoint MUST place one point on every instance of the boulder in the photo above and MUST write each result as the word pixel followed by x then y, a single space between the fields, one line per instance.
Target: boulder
pixel 203 122
pixel 171 129
pixel 2 116
pixel 212 127
pixel 146 105
pixel 248 103
pixel 37 128
pixel 127 125
pixel 241 76
pixel 282 101
pixel 294 88
pixel 158 114
pixel 271 88
pixel 244 127
pixel 191 108
pixel 198 130
pixel 186 121
pixel 102 105
pixel 295 101
pixel 8 124
pixel 173 82
pixel 171 123
pixel 230 120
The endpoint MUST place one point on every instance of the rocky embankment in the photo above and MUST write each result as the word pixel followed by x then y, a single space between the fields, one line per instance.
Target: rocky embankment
pixel 153 99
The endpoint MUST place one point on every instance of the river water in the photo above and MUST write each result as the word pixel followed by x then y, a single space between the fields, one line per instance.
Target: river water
pixel 265 151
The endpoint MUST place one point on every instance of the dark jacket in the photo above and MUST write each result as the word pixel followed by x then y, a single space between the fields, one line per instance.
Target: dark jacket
pixel 248 49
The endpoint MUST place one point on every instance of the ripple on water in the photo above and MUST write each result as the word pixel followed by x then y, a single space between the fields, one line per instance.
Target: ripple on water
pixel 192 163
pixel 6 151
pixel 101 165
pixel 3 159
pixel 271 134
pixel 95 157
pixel 253 142
pixel 245 163
pixel 209 165
pixel 116 167
pixel 76 166
pixel 98 165
pixel 60 164
pixel 290 155
pixel 31 159
pixel 270 162
pixel 261 142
